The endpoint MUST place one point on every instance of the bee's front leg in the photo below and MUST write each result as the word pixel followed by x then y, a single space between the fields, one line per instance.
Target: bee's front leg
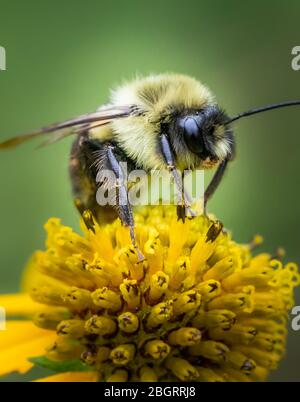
pixel 215 181
pixel 120 186
pixel 185 207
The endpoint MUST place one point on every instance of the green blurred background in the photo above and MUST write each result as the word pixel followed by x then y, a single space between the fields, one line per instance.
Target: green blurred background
pixel 64 56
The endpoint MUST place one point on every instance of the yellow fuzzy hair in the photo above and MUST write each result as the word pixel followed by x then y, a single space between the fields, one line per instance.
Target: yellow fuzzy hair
pixel 157 95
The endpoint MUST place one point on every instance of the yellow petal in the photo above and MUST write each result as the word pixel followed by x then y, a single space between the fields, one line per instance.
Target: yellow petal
pixel 91 376
pixel 19 342
pixel 19 304
pixel 18 332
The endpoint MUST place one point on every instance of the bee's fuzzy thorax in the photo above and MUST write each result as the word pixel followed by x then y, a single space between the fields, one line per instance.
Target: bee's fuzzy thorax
pixel 158 97
pixel 158 94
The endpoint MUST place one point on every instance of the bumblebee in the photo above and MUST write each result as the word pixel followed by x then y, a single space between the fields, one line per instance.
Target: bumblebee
pixel 162 121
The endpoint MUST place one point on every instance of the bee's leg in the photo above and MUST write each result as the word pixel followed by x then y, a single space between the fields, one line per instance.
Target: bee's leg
pixel 123 205
pixel 215 181
pixel 168 156
pixel 90 158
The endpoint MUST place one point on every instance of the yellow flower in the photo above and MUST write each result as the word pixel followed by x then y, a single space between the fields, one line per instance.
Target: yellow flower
pixel 200 307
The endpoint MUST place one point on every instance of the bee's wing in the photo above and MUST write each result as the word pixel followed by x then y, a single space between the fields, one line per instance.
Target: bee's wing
pixel 74 126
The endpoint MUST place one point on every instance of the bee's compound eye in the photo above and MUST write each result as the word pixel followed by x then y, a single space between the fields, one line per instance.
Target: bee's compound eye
pixel 192 135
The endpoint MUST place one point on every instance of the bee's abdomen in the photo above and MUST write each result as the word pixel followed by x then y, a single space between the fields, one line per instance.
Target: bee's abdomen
pixel 83 172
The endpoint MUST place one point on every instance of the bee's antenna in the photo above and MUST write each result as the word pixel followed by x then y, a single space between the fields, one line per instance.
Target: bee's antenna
pixel 263 109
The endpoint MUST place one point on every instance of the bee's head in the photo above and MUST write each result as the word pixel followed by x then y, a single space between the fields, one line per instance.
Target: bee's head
pixel 203 133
